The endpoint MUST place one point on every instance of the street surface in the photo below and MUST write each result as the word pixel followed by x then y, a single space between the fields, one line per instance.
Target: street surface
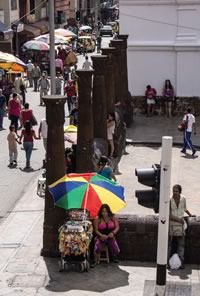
pixel 14 182
pixel 23 272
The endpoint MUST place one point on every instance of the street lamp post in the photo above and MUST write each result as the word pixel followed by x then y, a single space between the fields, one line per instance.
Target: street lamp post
pixel 52 47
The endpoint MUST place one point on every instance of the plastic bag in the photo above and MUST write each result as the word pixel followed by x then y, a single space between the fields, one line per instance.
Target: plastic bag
pixel 175 262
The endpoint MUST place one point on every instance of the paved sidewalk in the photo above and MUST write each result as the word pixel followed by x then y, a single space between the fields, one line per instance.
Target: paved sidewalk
pixel 24 273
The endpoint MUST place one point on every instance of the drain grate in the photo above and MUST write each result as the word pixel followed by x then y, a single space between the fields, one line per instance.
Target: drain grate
pixel 173 289
pixel 10 246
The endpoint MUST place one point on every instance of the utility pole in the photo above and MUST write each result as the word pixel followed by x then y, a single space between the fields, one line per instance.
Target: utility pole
pixel 163 225
pixel 52 46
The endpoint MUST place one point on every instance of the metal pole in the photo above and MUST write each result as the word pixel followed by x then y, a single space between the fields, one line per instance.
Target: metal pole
pixel 163 225
pixel 17 43
pixel 52 47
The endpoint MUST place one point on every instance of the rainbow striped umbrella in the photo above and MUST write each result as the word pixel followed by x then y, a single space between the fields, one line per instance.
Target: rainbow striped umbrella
pixel 87 191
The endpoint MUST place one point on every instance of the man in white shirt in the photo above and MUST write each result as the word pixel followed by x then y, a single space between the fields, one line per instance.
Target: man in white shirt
pixel 30 67
pixel 43 132
pixel 87 65
pixel 189 121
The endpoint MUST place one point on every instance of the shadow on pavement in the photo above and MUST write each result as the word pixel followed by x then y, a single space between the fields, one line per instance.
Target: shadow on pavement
pixel 102 278
pixel 183 274
pixel 29 170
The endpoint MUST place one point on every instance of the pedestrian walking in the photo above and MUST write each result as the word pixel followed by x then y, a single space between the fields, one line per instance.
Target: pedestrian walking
pixel 190 125
pixel 43 86
pixel 2 108
pixel 43 132
pixel 74 115
pixel 28 135
pixel 27 115
pixel 36 73
pixel 58 81
pixel 177 224
pixel 70 91
pixel 30 67
pixel 168 95
pixel 99 39
pixel 58 64
pixel 12 145
pixel 14 110
pixel 111 122
pixel 150 95
pixel 87 65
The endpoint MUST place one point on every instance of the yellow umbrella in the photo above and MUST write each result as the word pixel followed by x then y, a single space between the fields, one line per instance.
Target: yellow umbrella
pixel 10 62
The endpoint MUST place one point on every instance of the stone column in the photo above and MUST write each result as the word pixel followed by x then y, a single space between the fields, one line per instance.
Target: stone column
pixel 85 141
pixel 118 69
pixel 109 78
pixel 54 216
pixel 125 66
pixel 99 97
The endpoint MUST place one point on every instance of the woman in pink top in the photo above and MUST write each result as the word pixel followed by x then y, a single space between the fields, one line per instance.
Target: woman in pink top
pixel 168 94
pixel 106 227
pixel 14 110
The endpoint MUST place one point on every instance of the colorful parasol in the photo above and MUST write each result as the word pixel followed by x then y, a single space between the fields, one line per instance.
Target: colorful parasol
pixel 10 62
pixel 87 191
pixel 65 33
pixel 36 45
pixel 58 39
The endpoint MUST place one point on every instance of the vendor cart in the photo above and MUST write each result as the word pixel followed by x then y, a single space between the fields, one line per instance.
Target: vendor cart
pixel 74 240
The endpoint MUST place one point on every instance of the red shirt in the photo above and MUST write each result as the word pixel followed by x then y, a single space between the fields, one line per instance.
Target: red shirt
pixel 70 90
pixel 150 93
pixel 26 114
pixel 28 137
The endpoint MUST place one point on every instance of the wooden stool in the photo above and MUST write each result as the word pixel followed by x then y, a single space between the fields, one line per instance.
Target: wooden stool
pixel 41 186
pixel 104 255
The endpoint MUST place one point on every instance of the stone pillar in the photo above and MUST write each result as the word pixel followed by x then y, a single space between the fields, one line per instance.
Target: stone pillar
pixel 54 216
pixel 109 78
pixel 125 66
pixel 85 141
pixel 99 97
pixel 118 61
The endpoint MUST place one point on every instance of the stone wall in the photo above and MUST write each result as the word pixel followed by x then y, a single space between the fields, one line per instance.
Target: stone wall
pixel 180 104
pixel 137 238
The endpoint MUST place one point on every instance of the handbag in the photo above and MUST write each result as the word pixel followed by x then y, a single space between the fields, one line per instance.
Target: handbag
pixel 33 120
pixel 183 126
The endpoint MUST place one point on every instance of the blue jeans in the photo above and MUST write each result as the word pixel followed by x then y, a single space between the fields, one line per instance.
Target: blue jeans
pixel 28 147
pixel 1 117
pixel 187 141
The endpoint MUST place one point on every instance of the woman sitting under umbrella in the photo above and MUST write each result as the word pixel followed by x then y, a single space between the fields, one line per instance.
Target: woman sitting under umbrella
pixel 106 226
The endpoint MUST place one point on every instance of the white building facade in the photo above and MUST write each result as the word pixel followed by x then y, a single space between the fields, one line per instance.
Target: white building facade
pixel 164 43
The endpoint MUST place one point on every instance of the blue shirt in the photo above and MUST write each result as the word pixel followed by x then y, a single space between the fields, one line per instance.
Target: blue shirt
pixel 106 171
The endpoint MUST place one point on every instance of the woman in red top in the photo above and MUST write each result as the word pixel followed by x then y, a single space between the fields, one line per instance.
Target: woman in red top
pixel 26 114
pixel 28 134
pixel 70 91
pixel 14 109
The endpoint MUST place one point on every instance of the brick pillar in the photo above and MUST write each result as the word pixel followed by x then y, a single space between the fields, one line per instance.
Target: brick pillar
pixel 125 67
pixel 109 78
pixel 85 141
pixel 118 61
pixel 99 97
pixel 54 216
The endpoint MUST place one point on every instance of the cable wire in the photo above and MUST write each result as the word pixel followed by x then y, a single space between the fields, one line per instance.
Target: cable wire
pixel 159 22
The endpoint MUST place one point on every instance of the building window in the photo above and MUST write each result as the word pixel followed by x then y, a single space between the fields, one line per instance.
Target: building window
pixel 13 4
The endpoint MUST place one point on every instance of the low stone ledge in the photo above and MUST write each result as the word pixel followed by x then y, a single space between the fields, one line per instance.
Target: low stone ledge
pixel 137 238
pixel 179 105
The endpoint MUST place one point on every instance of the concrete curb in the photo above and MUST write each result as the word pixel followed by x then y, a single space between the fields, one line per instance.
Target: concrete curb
pixel 156 144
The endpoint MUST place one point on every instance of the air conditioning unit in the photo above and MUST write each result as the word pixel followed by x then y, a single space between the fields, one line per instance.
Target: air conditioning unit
pixel 31 18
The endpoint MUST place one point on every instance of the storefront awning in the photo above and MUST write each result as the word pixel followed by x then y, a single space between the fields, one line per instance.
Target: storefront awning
pixel 42 25
pixel 5 33
pixel 31 30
